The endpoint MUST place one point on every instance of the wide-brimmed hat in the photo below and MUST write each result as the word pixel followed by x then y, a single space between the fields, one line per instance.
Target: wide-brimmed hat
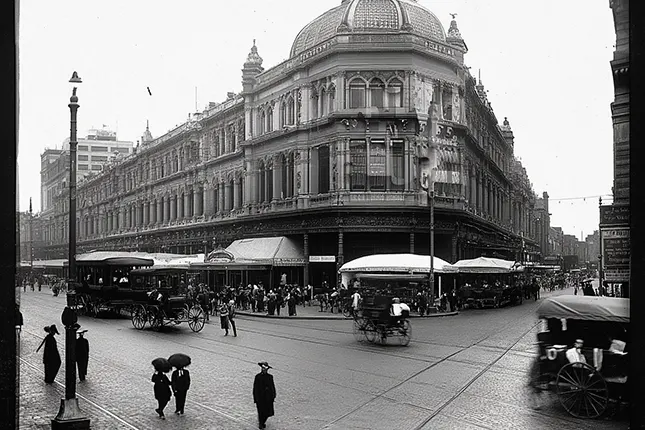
pixel 264 365
pixel 82 332
pixel 52 329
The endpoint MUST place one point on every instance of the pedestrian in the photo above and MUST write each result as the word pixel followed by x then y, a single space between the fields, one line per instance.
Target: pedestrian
pixel 162 391
pixel 82 354
pixel 264 394
pixel 231 316
pixel 180 382
pixel 51 357
pixel 223 316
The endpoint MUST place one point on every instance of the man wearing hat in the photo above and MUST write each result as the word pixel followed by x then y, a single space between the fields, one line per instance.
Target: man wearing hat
pixel 82 354
pixel 51 357
pixel 264 394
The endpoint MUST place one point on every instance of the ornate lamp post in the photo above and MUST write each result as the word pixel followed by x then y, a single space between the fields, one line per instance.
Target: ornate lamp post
pixel 70 415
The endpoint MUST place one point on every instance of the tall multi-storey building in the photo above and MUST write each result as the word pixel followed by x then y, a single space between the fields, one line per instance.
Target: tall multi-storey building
pixel 620 106
pixel 542 219
pixel 333 148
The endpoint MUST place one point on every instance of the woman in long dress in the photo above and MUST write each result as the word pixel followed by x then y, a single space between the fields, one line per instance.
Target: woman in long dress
pixel 51 357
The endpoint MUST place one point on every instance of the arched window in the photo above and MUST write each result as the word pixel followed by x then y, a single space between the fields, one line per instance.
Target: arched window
pixel 284 173
pixel 394 93
pixel 261 122
pixel 262 182
pixel 331 99
pixel 291 111
pixel 291 175
pixel 357 90
pixel 377 89
pixel 233 138
pixel 269 119
pixel 283 113
pixel 314 103
pixel 323 102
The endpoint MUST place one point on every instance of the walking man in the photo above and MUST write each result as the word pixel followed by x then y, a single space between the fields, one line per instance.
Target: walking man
pixel 231 316
pixel 82 354
pixel 264 394
pixel 180 382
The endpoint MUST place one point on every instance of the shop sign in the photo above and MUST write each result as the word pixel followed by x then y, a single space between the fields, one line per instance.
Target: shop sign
pixel 614 215
pixel 616 275
pixel 615 247
pixel 322 258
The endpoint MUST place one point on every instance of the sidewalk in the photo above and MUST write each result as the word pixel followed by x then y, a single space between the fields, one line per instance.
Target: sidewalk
pixel 313 313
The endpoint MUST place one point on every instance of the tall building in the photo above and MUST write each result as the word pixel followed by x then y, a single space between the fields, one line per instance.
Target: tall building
pixel 333 148
pixel 542 224
pixel 620 106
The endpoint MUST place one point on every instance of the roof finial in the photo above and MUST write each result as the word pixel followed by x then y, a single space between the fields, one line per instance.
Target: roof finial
pixel 453 15
pixel 453 31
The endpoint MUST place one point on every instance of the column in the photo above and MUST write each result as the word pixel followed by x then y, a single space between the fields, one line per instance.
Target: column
pixel 267 174
pixel 198 201
pixel 236 194
pixel 306 252
pixel 180 206
pixel 485 196
pixel 221 198
pixel 277 179
pixel 208 201
pixel 137 215
pixel 173 207
pixel 146 213
pixel 159 217
pixel 228 199
pixel 187 212
pixel 480 194
pixel 472 198
pixel 166 209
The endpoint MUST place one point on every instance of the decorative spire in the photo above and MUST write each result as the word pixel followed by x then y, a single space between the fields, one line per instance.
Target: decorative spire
pixel 253 58
pixel 30 208
pixel 453 31
pixel 147 136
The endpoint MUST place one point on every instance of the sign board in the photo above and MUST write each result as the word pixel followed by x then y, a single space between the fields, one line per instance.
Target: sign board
pixel 616 275
pixel 615 247
pixel 322 258
pixel 614 215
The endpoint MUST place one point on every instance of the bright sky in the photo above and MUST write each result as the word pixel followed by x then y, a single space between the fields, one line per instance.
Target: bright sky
pixel 545 65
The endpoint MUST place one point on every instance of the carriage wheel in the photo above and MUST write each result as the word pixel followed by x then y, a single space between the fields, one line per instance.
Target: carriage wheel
pixel 371 332
pixel 582 390
pixel 359 330
pixel 182 314
pixel 155 317
pixel 139 317
pixel 196 319
pixel 405 333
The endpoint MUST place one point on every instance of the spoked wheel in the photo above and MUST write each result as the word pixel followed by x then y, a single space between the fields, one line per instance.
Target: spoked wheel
pixel 582 390
pixel 196 319
pixel 182 314
pixel 139 317
pixel 405 333
pixel 371 333
pixel 359 330
pixel 155 317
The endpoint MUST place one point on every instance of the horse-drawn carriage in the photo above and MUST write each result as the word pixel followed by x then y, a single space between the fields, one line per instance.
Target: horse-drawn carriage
pixel 591 376
pixel 490 296
pixel 374 322
pixel 160 308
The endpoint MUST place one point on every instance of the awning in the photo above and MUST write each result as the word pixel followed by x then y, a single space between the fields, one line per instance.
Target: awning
pixel 484 265
pixel 396 263
pixel 115 258
pixel 276 251
pixel 585 308
pixel 50 264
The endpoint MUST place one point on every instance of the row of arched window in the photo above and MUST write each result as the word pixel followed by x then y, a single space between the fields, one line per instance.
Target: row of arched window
pixel 374 93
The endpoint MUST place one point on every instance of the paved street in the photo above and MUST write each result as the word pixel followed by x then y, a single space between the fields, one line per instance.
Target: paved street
pixel 460 372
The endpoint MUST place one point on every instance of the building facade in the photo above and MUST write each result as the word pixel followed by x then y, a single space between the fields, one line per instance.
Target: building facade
pixel 334 148
pixel 620 106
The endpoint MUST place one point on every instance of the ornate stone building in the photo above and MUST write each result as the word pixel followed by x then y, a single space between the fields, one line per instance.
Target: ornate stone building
pixel 330 148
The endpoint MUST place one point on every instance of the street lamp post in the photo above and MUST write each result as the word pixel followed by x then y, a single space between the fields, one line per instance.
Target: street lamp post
pixel 70 415
pixel 431 204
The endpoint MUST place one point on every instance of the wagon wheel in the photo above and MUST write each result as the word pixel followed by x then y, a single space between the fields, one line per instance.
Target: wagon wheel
pixel 582 390
pixel 155 317
pixel 196 319
pixel 359 330
pixel 139 317
pixel 371 332
pixel 182 314
pixel 405 333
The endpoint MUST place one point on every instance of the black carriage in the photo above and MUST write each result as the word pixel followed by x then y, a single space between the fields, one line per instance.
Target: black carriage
pixel 374 322
pixel 162 303
pixel 586 387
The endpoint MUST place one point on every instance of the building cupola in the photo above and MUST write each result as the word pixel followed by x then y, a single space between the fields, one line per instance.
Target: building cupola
pixel 252 68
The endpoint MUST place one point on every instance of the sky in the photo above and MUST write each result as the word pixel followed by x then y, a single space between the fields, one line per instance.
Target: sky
pixel 545 65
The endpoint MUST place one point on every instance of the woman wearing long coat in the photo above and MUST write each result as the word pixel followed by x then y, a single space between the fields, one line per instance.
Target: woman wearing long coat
pixel 264 394
pixel 51 357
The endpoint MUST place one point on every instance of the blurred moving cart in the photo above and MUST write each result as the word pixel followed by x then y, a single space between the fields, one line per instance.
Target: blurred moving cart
pixel 585 389
pixel 374 322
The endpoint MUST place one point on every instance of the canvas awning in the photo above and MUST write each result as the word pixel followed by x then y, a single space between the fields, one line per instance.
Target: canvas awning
pixel 585 308
pixel 396 263
pixel 276 251
pixel 484 265
pixel 115 258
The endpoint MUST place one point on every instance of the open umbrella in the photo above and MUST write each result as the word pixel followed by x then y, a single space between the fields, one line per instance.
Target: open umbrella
pixel 179 360
pixel 162 365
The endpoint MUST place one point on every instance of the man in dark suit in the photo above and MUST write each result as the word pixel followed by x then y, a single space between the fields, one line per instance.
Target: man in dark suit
pixel 180 382
pixel 82 354
pixel 264 394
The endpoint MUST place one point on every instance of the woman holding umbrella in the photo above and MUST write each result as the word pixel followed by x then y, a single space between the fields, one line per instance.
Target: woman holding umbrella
pixel 51 357
pixel 162 384
pixel 180 380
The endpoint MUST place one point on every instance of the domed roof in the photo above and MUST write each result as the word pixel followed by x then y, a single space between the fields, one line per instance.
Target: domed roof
pixel 370 16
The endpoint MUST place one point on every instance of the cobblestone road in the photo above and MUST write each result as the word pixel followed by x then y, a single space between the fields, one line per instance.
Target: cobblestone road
pixel 461 372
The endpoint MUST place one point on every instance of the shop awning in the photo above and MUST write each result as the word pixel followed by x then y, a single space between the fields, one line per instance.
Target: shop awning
pixel 276 251
pixel 396 263
pixel 484 265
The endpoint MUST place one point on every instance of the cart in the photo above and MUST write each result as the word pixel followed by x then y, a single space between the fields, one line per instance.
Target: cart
pixel 161 309
pixel 585 390
pixel 374 322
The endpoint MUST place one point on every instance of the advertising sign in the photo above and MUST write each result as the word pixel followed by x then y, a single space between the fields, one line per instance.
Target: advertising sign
pixel 322 258
pixel 615 248
pixel 614 215
pixel 617 275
